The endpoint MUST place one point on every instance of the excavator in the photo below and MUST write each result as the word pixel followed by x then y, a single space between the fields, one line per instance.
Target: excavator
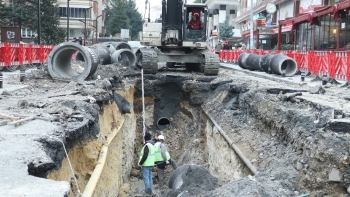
pixel 174 41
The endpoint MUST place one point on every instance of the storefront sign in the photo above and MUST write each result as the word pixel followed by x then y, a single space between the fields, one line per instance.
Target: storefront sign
pixel 10 34
pixel 271 8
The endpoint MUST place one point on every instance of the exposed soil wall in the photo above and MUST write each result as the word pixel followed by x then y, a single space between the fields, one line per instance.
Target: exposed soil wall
pixel 119 159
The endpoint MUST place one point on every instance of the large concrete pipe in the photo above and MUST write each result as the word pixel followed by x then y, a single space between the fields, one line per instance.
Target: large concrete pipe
pixel 113 46
pixel 163 123
pixel 242 60
pixel 176 178
pixel 253 61
pixel 124 55
pixel 265 62
pixel 59 61
pixel 120 45
pixel 282 64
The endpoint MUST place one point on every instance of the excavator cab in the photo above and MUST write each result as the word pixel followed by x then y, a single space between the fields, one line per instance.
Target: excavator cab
pixel 181 37
pixel 195 25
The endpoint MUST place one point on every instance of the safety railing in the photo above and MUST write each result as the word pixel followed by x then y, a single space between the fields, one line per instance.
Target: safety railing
pixel 333 64
pixel 15 54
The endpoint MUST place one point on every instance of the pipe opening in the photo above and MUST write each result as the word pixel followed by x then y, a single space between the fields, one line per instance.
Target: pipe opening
pixel 124 56
pixel 163 123
pixel 78 63
pixel 67 67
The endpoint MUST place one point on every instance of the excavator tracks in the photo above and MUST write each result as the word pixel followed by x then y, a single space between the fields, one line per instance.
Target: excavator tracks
pixel 210 64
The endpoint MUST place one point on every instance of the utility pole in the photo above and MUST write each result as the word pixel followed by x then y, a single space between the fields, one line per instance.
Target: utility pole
pixel 251 26
pixel 85 24
pixel 39 22
pixel 67 20
pixel 97 27
pixel 149 11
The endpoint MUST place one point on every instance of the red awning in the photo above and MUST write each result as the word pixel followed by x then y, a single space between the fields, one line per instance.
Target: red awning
pixel 298 19
pixel 301 18
pixel 284 28
pixel 343 5
pixel 324 10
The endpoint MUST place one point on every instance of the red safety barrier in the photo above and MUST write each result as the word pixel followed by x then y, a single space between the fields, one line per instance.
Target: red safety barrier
pixel 12 54
pixel 302 59
pixel 73 55
pixel 221 55
pixel 320 62
pixel 226 55
pixel 339 67
pixel 230 56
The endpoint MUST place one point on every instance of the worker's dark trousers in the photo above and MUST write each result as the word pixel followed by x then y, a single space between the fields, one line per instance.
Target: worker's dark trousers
pixel 160 171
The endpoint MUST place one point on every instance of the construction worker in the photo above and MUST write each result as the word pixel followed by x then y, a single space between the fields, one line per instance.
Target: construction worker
pixel 146 162
pixel 162 158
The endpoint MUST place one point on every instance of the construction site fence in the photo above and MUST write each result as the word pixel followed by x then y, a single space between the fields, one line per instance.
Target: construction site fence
pixel 333 64
pixel 16 54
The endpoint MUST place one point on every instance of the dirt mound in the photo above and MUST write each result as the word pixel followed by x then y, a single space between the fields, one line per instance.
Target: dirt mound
pixel 196 180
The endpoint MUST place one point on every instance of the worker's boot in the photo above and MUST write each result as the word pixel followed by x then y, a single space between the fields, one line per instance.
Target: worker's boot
pixel 160 178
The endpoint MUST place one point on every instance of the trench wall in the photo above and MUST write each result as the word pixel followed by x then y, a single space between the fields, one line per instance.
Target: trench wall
pixel 223 162
pixel 118 164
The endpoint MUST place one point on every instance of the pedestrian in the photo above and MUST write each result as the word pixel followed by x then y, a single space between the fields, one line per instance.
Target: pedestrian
pixel 162 158
pixel 146 162
pixel 80 40
pixel 226 47
pixel 218 47
pixel 74 39
pixel 244 47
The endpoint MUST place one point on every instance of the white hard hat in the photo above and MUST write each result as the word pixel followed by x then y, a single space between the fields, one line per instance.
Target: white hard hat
pixel 161 137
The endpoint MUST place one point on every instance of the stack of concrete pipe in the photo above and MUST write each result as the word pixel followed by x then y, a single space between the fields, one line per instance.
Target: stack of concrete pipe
pixel 271 63
pixel 59 60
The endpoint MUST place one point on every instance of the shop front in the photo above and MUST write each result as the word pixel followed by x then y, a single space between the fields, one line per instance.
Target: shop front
pixel 324 28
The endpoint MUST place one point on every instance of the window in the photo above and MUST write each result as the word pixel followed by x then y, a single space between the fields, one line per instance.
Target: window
pixel 75 12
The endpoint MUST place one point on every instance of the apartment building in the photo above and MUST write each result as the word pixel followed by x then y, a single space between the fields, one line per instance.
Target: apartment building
pixel 219 11
pixel 86 18
pixel 296 24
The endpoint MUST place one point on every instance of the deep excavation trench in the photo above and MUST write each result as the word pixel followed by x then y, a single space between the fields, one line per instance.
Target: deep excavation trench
pixel 286 138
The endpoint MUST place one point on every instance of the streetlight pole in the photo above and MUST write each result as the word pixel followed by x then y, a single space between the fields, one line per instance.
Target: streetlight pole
pixel 97 27
pixel 67 20
pixel 85 23
pixel 39 22
pixel 251 26
pixel 149 11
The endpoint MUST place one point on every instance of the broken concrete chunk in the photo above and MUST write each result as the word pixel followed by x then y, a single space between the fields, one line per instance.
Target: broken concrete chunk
pixel 317 90
pixel 325 116
pixel 338 125
pixel 334 175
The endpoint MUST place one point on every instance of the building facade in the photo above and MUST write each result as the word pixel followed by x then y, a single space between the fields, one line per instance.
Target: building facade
pixel 219 11
pixel 297 24
pixel 86 18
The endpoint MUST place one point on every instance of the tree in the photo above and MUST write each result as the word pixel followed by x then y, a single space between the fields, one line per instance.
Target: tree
pixel 23 13
pixel 122 14
pixel 225 31
pixel 4 14
pixel 135 19
pixel 51 33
